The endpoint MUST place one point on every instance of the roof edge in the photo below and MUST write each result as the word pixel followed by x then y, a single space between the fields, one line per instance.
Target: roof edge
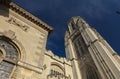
pixel 27 15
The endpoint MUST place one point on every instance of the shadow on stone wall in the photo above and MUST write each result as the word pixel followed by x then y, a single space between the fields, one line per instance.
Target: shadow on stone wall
pixel 4 7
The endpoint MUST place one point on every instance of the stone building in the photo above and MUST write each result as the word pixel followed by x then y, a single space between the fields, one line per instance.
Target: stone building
pixel 23 53
pixel 90 55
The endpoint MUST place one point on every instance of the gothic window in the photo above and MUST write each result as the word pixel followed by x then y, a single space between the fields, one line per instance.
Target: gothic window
pixel 79 23
pixel 79 48
pixel 10 58
pixel 73 26
pixel 91 73
pixel 83 43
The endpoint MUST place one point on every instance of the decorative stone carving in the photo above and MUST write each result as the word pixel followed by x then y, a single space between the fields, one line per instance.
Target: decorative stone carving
pixel 14 21
pixel 10 34
pixel 44 66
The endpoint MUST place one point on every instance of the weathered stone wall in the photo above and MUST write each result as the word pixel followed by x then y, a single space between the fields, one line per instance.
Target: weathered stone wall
pixel 60 65
pixel 30 39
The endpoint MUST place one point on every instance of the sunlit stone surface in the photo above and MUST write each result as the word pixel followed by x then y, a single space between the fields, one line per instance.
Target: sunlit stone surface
pixel 23 53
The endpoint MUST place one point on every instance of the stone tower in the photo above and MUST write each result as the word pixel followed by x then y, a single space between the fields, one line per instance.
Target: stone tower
pixel 90 55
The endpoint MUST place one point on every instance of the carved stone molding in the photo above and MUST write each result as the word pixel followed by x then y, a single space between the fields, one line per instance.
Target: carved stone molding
pixel 44 66
pixel 31 67
pixel 10 34
pixel 14 21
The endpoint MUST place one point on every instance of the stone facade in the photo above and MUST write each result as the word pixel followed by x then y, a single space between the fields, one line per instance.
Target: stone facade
pixel 90 55
pixel 23 53
pixel 57 67
pixel 23 47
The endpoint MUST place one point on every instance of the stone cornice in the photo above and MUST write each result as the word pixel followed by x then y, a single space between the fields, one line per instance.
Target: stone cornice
pixel 27 15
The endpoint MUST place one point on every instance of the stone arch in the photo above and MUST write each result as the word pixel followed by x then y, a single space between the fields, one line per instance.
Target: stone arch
pixel 10 43
pixel 57 71
pixel 17 44
pixel 9 57
pixel 58 65
pixel 91 72
pixel 21 50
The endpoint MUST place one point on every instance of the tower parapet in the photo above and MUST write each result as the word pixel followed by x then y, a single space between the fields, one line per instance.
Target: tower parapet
pixel 62 60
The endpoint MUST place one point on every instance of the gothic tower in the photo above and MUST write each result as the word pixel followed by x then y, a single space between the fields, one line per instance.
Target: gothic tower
pixel 90 55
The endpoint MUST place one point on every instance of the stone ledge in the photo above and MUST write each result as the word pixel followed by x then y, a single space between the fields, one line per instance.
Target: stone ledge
pixel 31 67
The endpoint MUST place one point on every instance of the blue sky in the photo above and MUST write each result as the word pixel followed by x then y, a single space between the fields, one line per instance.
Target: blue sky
pixel 99 14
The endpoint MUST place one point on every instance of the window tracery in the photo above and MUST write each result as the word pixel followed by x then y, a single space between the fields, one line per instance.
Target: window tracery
pixel 91 73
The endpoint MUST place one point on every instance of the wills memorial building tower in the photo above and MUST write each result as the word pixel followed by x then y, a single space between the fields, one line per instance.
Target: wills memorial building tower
pixel 90 55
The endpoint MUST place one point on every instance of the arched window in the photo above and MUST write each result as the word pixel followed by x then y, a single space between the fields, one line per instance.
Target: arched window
pixel 73 25
pixel 91 73
pixel 79 22
pixel 8 56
